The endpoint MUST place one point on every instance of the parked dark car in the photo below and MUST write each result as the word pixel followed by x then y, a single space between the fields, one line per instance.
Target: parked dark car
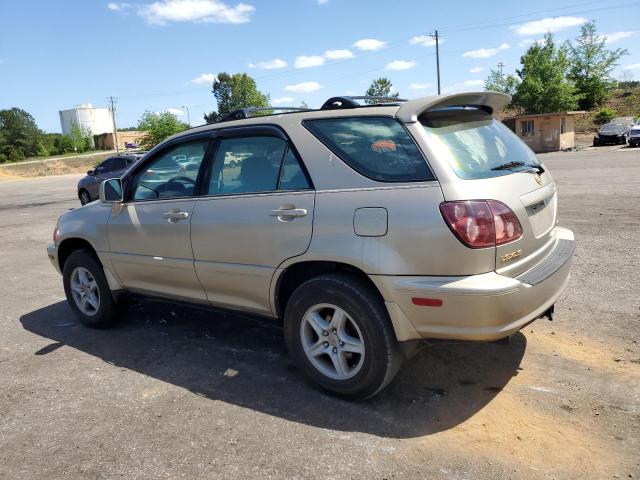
pixel 89 186
pixel 611 134
pixel 634 136
pixel 131 145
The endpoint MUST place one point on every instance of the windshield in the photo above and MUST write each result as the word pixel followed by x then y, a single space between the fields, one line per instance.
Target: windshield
pixel 611 127
pixel 473 143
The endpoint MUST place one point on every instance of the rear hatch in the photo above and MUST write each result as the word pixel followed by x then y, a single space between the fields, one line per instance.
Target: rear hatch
pixel 477 158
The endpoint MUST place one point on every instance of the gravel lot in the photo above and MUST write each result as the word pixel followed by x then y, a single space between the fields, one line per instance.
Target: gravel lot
pixel 182 393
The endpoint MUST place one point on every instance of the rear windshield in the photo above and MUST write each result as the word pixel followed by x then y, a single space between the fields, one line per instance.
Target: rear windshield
pixel 472 142
pixel 377 147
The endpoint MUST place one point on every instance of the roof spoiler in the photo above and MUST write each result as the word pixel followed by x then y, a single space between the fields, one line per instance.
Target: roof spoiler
pixel 409 111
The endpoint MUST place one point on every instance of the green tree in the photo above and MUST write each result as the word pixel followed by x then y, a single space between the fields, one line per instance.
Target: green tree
pixel 497 82
pixel 80 138
pixel 158 126
pixel 591 66
pixel 19 135
pixel 380 87
pixel 605 115
pixel 544 87
pixel 233 92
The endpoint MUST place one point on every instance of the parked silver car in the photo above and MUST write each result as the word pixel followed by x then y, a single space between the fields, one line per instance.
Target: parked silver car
pixel 365 229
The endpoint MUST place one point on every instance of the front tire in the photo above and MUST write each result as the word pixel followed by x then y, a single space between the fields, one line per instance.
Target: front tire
pixel 84 197
pixel 87 291
pixel 339 334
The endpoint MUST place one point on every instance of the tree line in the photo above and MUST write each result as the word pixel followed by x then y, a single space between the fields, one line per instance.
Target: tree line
pixel 561 77
pixel 552 77
pixel 21 138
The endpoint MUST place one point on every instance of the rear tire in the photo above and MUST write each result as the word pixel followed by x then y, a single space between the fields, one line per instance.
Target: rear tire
pixel 84 197
pixel 87 291
pixel 331 357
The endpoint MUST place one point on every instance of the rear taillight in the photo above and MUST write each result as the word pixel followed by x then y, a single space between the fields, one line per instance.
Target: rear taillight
pixel 481 223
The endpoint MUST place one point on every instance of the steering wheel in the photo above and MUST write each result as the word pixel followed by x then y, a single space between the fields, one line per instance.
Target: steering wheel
pixel 182 179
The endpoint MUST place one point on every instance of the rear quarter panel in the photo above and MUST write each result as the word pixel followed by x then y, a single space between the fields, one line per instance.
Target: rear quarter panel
pixel 417 242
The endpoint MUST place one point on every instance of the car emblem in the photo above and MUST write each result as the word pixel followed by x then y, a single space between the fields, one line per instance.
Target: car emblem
pixel 511 255
pixel 538 179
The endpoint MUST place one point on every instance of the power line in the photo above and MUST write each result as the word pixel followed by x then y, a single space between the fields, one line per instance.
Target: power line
pixel 493 25
pixel 451 29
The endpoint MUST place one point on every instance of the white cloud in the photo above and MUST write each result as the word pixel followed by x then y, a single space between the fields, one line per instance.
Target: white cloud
pixel 323 2
pixel 269 64
pixel 485 52
pixel 473 83
pixel 424 40
pixel 370 44
pixel 175 111
pixel 116 7
pixel 550 24
pixel 197 11
pixel 205 78
pixel 614 37
pixel 476 69
pixel 633 66
pixel 304 61
pixel 282 101
pixel 420 86
pixel 338 54
pixel 400 65
pixel 304 87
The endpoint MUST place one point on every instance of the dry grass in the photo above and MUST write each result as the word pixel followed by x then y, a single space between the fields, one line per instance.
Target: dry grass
pixel 51 167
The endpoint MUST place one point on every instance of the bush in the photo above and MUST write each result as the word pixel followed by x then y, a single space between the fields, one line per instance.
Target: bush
pixel 605 115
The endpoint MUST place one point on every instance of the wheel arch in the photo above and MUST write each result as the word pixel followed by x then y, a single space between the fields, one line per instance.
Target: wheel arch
pixel 297 273
pixel 70 245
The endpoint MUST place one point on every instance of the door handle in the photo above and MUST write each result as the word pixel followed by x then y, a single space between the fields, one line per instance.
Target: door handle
pixel 286 213
pixel 175 215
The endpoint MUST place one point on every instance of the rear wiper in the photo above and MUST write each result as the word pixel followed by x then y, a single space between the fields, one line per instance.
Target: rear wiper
pixel 510 165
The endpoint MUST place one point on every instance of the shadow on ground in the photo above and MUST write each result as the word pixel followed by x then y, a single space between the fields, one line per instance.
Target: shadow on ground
pixel 438 389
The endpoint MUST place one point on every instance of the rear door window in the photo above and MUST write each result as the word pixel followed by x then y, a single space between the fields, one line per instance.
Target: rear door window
pixel 377 147
pixel 246 165
pixel 472 142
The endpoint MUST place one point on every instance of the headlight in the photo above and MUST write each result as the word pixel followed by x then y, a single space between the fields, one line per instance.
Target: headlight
pixel 56 234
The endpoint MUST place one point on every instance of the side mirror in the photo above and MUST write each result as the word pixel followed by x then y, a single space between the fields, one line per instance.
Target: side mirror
pixel 91 172
pixel 111 191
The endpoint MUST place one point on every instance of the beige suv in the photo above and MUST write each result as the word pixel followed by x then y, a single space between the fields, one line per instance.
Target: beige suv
pixel 365 229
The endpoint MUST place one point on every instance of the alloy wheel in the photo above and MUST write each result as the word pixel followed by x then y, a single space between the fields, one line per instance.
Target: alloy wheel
pixel 332 341
pixel 84 290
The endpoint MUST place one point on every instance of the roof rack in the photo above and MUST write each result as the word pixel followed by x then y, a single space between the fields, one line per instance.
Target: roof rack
pixel 247 112
pixel 336 103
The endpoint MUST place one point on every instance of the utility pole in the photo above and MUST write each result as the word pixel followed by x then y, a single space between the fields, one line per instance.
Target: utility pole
pixel 186 107
pixel 436 37
pixel 500 65
pixel 113 102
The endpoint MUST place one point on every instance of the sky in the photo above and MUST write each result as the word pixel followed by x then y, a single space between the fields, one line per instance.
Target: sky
pixel 164 54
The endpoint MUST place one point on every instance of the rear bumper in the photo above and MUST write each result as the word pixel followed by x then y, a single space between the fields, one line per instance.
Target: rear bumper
pixel 479 307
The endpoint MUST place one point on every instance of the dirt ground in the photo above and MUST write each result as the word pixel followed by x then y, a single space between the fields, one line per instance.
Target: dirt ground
pixel 176 392
pixel 43 168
